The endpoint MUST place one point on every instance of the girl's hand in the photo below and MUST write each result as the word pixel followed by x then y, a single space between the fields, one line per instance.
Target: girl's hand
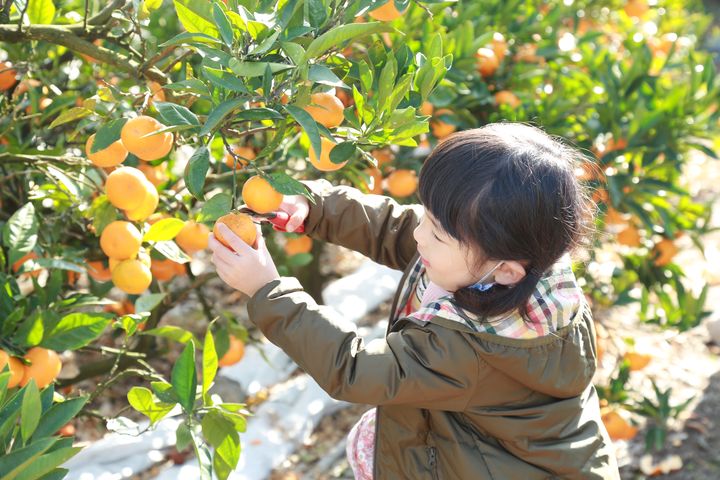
pixel 298 208
pixel 244 268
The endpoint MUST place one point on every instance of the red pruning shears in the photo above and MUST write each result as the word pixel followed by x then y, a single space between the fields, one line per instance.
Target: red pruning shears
pixel 279 219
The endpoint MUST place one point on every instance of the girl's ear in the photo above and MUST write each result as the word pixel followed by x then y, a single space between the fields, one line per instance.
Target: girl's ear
pixel 509 273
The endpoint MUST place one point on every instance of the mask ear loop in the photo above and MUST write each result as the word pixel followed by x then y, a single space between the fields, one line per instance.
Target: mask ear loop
pixel 479 286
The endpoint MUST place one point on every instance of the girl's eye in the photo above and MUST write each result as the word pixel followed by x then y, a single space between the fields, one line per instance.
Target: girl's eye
pixel 436 237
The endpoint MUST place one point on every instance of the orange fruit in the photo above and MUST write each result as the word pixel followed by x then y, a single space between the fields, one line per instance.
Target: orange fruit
pixel 155 175
pixel 630 237
pixel 17 369
pixel 144 147
pixel 193 237
pixel 147 207
pixel 235 352
pixel 44 367
pixel 142 255
pixel 506 97
pixel 19 263
pixel 7 76
pixel 386 13
pixel 132 276
pixel 402 183
pixel 637 361
pixel 326 109
pixel 499 46
pixel 127 187
pixel 244 151
pixel 487 62
pixel 600 195
pixel 664 251
pixel 294 246
pixel 375 185
pixel 163 270
pixel 98 271
pixel 125 307
pixel 346 98
pixel 613 217
pixel 427 108
pixel 617 427
pixel 260 196
pixel 439 128
pixel 67 431
pixel 324 164
pixel 111 156
pixel 158 94
pixel 180 269
pixel 383 156
pixel 120 240
pixel 636 8
pixel 240 224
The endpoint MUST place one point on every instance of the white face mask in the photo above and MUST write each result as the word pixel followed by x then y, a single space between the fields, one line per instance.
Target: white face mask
pixel 480 286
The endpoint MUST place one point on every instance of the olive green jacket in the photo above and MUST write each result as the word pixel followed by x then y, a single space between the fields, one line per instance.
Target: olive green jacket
pixel 453 403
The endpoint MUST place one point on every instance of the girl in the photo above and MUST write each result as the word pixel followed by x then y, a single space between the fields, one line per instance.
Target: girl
pixel 485 369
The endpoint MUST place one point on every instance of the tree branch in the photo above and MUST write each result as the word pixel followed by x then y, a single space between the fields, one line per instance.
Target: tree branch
pixel 20 158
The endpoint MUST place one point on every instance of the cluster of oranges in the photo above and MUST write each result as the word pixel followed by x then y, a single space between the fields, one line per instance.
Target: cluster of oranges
pixel 399 182
pixel 39 364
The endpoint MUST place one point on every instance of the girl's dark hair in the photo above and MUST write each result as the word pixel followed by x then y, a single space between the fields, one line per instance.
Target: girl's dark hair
pixel 510 189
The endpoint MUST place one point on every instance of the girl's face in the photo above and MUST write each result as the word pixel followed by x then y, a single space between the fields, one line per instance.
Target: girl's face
pixel 449 265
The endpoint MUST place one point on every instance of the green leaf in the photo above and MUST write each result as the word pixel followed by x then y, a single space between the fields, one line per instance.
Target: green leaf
pixel 294 51
pixel 299 260
pixel 148 6
pixel 76 330
pixel 265 45
pixel 286 184
pixel 219 113
pixel 20 232
pixel 196 171
pixel 342 152
pixel 215 207
pixel 171 251
pixel 14 463
pixel 47 463
pixel 223 79
pixel 164 391
pixel 196 16
pixel 183 437
pixel 221 434
pixel 386 82
pixel 210 364
pixel 141 399
pixel 323 75
pixel 108 134
pixel 185 38
pixel 221 20
pixel 184 377
pixel 31 330
pixel 30 410
pixel 257 114
pixel 317 14
pixel 67 116
pixel 146 303
pixel 340 34
pixel 163 230
pixel 41 11
pixel 173 333
pixel 173 114
pixel 256 69
pixel 57 474
pixel 102 213
pixel 308 124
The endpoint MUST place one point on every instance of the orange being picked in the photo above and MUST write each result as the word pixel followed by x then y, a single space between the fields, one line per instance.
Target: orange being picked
pixel 326 109
pixel 17 369
pixel 137 137
pixel 98 272
pixel 439 128
pixel 127 188
pixel 156 175
pixel 240 224
pixel 324 164
pixel 7 76
pixel 386 13
pixel 295 246
pixel 506 97
pixel 243 151
pixel 487 62
pixel 132 276
pixel 235 352
pixel 402 183
pixel 111 156
pixel 260 196
pixel 147 207
pixel 45 366
pixel 193 237
pixel 121 240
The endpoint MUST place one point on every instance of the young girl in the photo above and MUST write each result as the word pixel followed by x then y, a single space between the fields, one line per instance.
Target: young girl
pixel 485 370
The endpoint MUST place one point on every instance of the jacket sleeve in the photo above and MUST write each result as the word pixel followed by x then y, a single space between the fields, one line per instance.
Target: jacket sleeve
pixel 423 366
pixel 374 225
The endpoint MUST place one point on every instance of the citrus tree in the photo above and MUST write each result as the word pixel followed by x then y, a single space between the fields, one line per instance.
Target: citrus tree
pixel 128 129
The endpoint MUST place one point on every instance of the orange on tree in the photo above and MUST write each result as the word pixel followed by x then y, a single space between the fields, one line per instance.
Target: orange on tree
pixel 156 175
pixel 7 76
pixel 629 236
pixel 664 251
pixel 617 427
pixel 247 154
pixel 240 224
pixel 44 367
pixel 125 307
pixel 426 108
pixel 235 352
pixel 127 187
pixel 142 255
pixel 386 13
pixel 21 261
pixel 132 276
pixel 613 217
pixel 17 369
pixel 375 184
pixel 636 8
pixel 499 46
pixel 137 136
pixel 439 128
pixel 156 90
pixel 111 156
pixel 506 97
pixel 68 430
pixel 383 156
pixel 147 207
pixel 163 270
pixel 402 183
pixel 637 360
pixel 120 240
pixel 98 271
pixel 43 103
pixel 260 196
pixel 345 97
pixel 193 237
pixel 295 246
pixel 324 164
pixel 487 62
pixel 326 109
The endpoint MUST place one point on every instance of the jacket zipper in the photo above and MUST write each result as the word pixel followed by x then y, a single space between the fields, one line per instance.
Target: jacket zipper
pixel 432 457
pixel 375 441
